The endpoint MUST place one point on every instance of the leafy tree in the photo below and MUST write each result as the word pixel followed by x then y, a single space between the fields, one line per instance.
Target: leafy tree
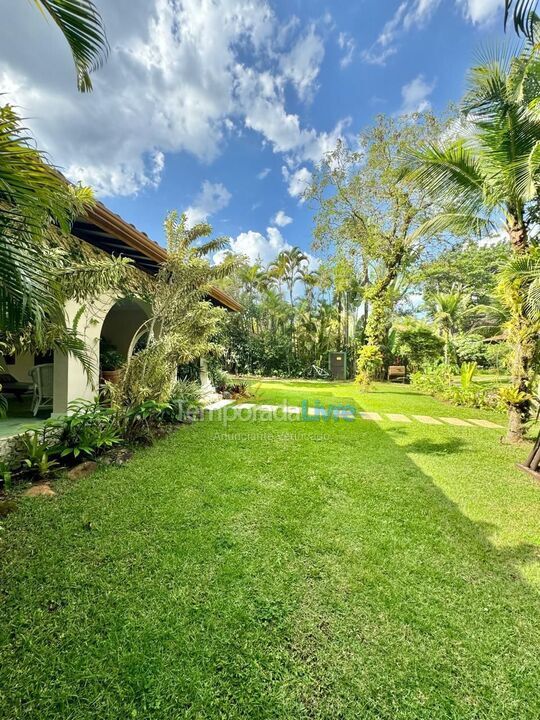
pixel 416 343
pixel 488 175
pixel 365 209
pixel 468 266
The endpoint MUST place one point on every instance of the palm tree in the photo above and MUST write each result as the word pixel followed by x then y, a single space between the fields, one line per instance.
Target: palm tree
pixel 295 265
pixel 82 26
pixel 33 197
pixel 489 175
pixel 446 309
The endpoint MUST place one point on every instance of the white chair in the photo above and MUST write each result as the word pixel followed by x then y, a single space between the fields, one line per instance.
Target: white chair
pixel 42 377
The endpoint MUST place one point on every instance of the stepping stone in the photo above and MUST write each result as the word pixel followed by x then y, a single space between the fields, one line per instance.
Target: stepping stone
pixel 219 404
pixel 346 414
pixel 485 423
pixel 244 406
pixel 370 416
pixel 455 421
pixel 396 417
pixel 317 411
pixel 426 419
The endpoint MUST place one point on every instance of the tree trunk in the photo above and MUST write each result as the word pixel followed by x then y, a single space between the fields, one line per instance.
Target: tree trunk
pixel 522 340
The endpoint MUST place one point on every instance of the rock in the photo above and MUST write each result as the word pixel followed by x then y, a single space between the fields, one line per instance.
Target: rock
pixel 43 489
pixel 6 507
pixel 119 456
pixel 82 470
pixel 226 395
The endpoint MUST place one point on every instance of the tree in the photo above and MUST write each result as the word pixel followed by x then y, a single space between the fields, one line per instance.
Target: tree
pixel 366 210
pixel 446 309
pixel 81 25
pixel 182 323
pixel 487 176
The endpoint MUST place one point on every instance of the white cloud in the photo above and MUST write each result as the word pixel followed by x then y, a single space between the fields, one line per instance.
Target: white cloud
pixel 257 247
pixel 177 80
pixel 348 45
pixel 263 249
pixel 264 172
pixel 212 198
pixel 301 65
pixel 415 96
pixel 297 181
pixel 416 14
pixel 482 11
pixel 281 219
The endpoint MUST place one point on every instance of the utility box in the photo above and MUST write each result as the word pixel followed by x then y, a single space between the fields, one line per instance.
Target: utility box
pixel 337 365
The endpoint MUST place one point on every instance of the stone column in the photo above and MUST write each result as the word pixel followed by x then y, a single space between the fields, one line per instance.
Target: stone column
pixel 207 388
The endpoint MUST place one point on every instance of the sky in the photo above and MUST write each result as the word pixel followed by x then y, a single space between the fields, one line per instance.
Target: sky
pixel 221 108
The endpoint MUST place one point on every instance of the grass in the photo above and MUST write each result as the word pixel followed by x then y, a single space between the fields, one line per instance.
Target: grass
pixel 282 569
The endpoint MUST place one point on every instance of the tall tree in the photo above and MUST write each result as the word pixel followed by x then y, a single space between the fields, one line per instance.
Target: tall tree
pixel 488 177
pixel 366 211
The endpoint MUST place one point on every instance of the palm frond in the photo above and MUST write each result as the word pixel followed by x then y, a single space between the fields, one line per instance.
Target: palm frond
pixel 523 16
pixel 82 26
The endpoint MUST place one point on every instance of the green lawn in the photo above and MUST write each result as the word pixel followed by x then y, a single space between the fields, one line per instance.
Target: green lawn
pixel 283 569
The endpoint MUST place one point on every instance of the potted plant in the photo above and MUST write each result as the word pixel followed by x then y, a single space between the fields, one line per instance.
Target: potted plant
pixel 111 362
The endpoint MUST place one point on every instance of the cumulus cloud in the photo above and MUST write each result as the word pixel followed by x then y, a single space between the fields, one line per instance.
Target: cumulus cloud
pixel 281 219
pixel 258 247
pixel 212 198
pixel 297 181
pixel 177 80
pixel 415 96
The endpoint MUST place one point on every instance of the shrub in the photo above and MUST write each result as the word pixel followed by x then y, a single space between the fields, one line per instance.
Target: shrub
pixel 89 429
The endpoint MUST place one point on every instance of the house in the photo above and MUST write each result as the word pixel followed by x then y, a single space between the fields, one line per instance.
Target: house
pixel 111 318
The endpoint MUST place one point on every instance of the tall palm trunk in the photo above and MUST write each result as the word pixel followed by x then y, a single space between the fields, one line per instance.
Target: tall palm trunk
pixel 522 339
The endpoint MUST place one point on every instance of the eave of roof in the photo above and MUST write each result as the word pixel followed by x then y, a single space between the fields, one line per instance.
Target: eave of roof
pixel 105 219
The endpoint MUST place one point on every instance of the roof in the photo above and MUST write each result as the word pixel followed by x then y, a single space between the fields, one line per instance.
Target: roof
pixel 108 231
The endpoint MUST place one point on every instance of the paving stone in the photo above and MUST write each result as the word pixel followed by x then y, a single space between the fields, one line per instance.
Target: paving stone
pixel 396 417
pixel 370 416
pixel 458 422
pixel 427 420
pixel 219 404
pixel 485 423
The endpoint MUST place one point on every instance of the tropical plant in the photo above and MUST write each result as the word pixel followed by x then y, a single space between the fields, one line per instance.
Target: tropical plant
pixel 182 322
pixel 446 309
pixel 488 173
pixel 88 429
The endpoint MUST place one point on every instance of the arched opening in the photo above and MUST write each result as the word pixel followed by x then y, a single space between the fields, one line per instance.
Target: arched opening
pixel 121 332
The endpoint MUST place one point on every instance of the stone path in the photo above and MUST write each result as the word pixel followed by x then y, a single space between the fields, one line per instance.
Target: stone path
pixel 347 414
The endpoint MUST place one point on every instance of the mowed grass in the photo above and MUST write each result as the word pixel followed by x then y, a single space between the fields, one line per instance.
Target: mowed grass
pixel 283 569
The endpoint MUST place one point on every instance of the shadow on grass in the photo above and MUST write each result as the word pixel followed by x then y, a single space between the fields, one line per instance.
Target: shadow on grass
pixel 315 573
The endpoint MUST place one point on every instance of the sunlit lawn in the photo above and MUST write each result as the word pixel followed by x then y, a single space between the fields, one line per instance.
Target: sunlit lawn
pixel 283 569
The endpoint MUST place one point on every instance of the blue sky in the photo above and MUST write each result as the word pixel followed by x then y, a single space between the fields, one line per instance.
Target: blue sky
pixel 223 107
